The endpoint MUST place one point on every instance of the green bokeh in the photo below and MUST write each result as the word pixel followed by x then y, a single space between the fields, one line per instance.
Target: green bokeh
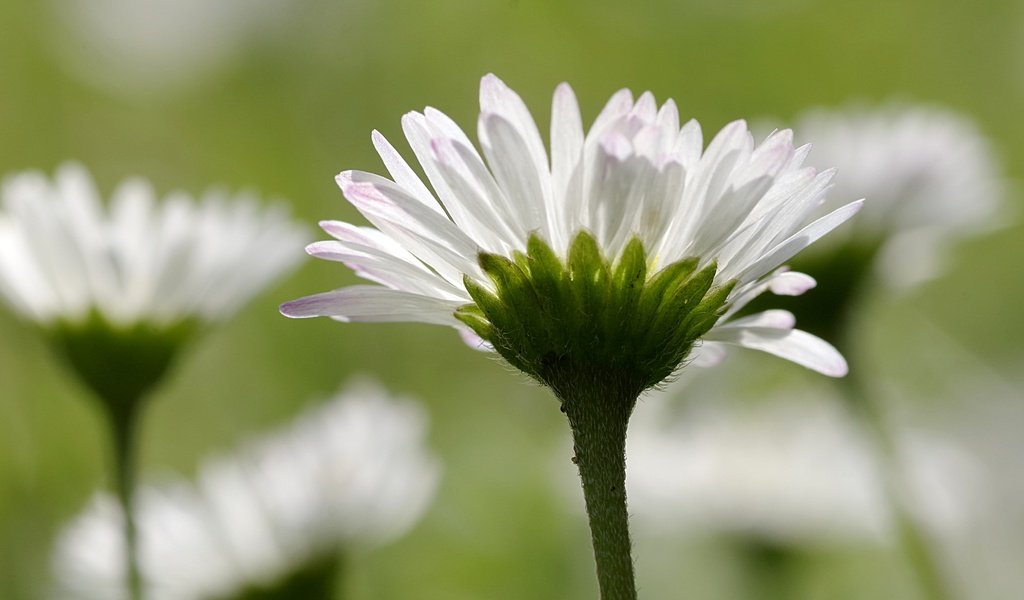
pixel 297 106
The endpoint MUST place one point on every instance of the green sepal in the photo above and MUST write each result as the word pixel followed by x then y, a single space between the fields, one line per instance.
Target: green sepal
pixel 120 364
pixel 583 320
pixel 681 299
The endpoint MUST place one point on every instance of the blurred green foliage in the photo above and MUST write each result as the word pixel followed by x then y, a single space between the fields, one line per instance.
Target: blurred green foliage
pixel 297 106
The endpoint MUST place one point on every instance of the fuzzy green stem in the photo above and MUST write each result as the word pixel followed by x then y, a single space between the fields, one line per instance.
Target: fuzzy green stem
pixel 123 430
pixel 914 540
pixel 599 440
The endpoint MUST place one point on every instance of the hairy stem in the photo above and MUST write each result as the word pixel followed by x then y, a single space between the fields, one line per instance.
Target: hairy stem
pixel 599 439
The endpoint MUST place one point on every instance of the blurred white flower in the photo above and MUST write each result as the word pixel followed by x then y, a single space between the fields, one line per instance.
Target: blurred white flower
pixel 352 474
pixel 794 471
pixel 929 176
pixel 157 45
pixel 64 256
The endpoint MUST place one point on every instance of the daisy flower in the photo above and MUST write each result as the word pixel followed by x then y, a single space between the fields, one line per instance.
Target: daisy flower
pixel 596 269
pixel 795 472
pixel 931 176
pixel 276 515
pixel 119 290
pixel 65 258
pixel 635 200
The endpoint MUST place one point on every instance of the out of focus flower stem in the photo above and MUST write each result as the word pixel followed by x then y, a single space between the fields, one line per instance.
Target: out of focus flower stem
pixel 122 431
pixel 771 569
pixel 121 366
pixel 915 542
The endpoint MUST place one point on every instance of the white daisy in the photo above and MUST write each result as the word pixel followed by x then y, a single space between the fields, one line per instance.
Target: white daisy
pixel 65 258
pixel 793 472
pixel 930 175
pixel 352 474
pixel 158 46
pixel 639 185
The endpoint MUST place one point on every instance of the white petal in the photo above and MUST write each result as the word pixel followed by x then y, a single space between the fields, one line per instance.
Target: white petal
pixel 617 106
pixel 418 133
pixel 474 341
pixel 782 282
pixel 800 240
pixel 791 283
pixel 522 175
pixel 385 269
pixel 707 354
pixel 479 205
pixel 372 303
pixel 770 319
pixel 401 172
pixel 566 163
pixel 794 345
pixel 432 237
pixel 689 144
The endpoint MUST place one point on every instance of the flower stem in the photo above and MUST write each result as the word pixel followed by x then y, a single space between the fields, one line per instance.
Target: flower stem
pixel 599 440
pixel 913 539
pixel 123 429
pixel 771 569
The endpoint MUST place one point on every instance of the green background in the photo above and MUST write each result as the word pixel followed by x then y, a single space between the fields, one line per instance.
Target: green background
pixel 295 105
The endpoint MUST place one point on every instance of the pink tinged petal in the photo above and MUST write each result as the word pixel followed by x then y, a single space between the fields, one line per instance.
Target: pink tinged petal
pixel 432 237
pixel 479 206
pixel 442 147
pixel 420 138
pixel 797 242
pixel 618 105
pixel 401 172
pixel 791 283
pixel 771 319
pixel 519 170
pixel 370 303
pixel 645 109
pixel 367 236
pixel 794 345
pixel 782 282
pixel 385 269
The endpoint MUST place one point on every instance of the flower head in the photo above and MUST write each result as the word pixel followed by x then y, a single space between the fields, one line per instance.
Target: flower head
pixel 66 258
pixel 930 174
pixel 352 474
pixel 620 253
pixel 793 471
pixel 120 288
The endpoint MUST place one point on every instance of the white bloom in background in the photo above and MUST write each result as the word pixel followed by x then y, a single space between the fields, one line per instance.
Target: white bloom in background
pixel 636 175
pixel 65 256
pixel 349 475
pixel 795 472
pixel 157 45
pixel 930 177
